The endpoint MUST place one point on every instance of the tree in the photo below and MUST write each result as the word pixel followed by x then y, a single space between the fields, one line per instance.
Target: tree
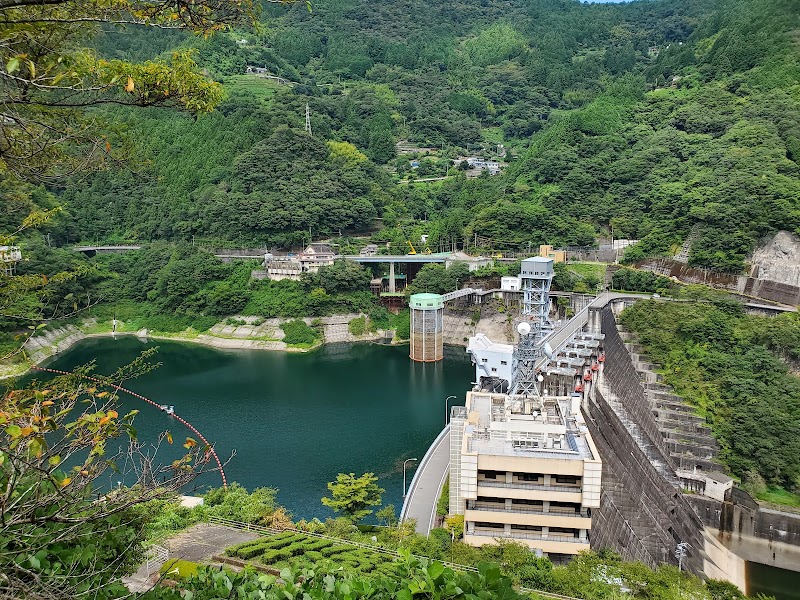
pixel 49 79
pixel 387 515
pixel 60 535
pixel 352 496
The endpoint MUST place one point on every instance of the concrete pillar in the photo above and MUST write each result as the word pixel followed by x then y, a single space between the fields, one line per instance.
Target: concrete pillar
pixel 507 528
pixel 392 286
pixel 508 503
pixel 547 479
pixel 546 506
pixel 509 477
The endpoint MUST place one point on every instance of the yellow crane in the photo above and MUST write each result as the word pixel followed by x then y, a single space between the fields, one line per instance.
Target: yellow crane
pixel 411 246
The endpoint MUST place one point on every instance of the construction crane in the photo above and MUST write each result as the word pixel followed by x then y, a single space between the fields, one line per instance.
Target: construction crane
pixel 411 246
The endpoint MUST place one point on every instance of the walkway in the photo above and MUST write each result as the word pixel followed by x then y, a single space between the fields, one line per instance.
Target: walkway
pixel 197 544
pixel 426 487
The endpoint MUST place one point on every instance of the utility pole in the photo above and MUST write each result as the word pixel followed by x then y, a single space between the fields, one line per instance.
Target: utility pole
pixel 681 552
pixel 308 120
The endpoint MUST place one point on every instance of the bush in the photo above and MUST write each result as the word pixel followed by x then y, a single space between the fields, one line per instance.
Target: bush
pixel 403 330
pixel 252 551
pixel 318 545
pixel 298 333
pixel 358 326
pixel 331 550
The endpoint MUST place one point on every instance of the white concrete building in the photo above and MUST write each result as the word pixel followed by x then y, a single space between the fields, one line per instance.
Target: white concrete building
pixel 524 469
pixel 510 284
pixel 492 360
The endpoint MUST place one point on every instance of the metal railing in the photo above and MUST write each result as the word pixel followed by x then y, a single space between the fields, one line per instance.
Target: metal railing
pixel 526 511
pixel 529 486
pixel 527 536
pixel 155 557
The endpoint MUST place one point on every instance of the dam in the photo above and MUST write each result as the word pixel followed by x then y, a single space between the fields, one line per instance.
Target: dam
pixel 664 497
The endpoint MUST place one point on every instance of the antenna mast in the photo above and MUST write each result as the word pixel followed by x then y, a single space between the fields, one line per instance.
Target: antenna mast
pixel 308 120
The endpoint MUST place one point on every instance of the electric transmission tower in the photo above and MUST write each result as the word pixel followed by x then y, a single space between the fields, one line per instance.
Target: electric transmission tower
pixel 536 276
pixel 308 120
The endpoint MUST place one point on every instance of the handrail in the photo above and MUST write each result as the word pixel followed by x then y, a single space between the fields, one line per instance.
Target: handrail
pixel 526 511
pixel 529 486
pixel 527 536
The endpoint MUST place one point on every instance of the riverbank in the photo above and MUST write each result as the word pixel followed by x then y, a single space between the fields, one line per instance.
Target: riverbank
pixel 240 333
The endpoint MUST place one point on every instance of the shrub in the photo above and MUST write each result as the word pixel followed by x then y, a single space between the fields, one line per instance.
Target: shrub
pixel 358 326
pixel 251 551
pixel 403 330
pixel 331 550
pixel 298 333
pixel 317 545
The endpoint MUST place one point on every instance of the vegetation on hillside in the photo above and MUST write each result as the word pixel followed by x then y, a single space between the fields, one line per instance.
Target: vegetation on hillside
pixel 655 120
pixel 736 369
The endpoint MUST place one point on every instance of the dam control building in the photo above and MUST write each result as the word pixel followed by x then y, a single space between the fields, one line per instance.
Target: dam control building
pixel 524 468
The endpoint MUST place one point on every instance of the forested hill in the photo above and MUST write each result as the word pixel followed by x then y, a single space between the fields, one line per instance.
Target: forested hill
pixel 658 119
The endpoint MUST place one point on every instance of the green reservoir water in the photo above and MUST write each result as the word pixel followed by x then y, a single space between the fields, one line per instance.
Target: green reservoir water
pixel 765 579
pixel 294 420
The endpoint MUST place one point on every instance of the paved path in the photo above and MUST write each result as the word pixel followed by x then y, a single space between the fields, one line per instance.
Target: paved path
pixel 197 544
pixel 425 488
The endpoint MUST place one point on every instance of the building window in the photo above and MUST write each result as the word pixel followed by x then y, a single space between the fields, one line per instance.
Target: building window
pixel 483 360
pixel 491 474
pixel 527 502
pixel 503 362
pixel 528 476
pixel 494 369
pixel 566 479
pixel 489 525
pixel 527 528
pixel 493 500
pixel 564 531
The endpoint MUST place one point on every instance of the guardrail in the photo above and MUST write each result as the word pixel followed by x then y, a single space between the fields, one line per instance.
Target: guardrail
pixel 455 566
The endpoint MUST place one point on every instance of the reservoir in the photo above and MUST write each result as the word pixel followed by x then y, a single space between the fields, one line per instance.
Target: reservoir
pixel 293 420
pixel 771 581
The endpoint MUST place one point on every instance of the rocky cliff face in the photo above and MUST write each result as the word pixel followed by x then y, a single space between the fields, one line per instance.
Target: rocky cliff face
pixel 778 259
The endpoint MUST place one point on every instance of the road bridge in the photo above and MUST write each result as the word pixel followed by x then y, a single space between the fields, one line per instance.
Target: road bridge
pixel 440 257
pixel 108 249
pixel 426 486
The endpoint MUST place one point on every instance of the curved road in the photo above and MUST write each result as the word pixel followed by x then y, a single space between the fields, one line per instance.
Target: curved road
pixel 425 488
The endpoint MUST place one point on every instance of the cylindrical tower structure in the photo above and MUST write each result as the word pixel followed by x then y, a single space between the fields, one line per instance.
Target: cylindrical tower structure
pixel 427 325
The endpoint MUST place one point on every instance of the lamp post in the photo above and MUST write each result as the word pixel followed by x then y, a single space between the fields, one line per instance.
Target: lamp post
pixel 446 400
pixel 405 462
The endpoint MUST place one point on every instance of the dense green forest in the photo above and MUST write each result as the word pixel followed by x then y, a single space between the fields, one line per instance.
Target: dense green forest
pixel 655 119
pixel 737 369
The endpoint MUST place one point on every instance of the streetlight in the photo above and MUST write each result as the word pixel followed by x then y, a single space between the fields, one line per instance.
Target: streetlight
pixel 406 461
pixel 446 414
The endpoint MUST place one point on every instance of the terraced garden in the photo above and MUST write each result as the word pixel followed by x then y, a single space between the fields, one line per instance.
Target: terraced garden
pixel 298 550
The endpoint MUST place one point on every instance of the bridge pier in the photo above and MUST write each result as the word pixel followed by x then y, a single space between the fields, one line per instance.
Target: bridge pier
pixel 392 284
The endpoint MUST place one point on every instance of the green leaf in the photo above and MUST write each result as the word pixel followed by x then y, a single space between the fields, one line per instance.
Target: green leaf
pixel 34 561
pixel 435 570
pixel 14 431
pixel 12 64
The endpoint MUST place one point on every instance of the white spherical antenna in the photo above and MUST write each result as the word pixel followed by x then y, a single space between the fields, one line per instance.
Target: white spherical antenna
pixel 548 351
pixel 524 328
pixel 540 378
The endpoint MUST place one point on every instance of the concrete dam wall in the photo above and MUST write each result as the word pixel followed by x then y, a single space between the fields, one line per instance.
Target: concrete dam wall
pixel 643 514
